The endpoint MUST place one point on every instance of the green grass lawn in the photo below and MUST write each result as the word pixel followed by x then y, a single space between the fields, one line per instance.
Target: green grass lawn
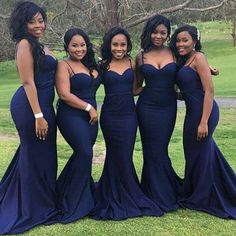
pixel 181 222
pixel 221 54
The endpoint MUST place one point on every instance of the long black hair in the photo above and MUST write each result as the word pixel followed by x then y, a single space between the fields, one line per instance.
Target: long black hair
pixel 106 45
pixel 149 28
pixel 194 33
pixel 89 59
pixel 20 16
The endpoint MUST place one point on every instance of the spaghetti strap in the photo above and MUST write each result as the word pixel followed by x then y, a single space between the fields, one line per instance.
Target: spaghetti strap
pixel 130 61
pixel 191 60
pixel 69 66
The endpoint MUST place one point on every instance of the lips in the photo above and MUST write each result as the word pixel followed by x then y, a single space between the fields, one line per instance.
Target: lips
pixel 119 54
pixel 181 50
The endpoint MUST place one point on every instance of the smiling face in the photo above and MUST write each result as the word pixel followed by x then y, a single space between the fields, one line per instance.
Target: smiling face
pixel 159 35
pixel 119 46
pixel 36 26
pixel 184 43
pixel 77 48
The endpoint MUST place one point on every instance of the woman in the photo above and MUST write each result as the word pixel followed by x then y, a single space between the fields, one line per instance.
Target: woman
pixel 156 110
pixel 76 81
pixel 27 190
pixel 209 183
pixel 118 195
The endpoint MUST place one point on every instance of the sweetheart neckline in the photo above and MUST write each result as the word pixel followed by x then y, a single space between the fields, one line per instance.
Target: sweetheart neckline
pixel 159 69
pixel 83 73
pixel 122 72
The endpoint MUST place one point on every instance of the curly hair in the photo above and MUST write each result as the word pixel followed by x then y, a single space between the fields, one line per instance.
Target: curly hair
pixel 89 59
pixel 149 28
pixel 106 45
pixel 193 32
pixel 20 16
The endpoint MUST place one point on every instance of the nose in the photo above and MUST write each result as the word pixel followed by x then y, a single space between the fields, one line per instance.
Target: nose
pixel 38 24
pixel 119 48
pixel 180 44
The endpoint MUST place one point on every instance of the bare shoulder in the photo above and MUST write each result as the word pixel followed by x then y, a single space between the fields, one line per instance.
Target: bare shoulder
pixel 62 66
pixel 62 63
pixel 200 56
pixel 23 45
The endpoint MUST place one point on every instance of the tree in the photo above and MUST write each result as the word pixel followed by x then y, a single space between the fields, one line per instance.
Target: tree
pixel 230 15
pixel 96 16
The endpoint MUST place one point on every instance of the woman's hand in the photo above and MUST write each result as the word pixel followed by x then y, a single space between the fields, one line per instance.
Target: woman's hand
pixel 214 71
pixel 202 131
pixel 41 128
pixel 93 116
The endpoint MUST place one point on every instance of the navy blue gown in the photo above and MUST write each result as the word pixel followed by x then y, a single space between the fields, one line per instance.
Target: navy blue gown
pixel 156 110
pixel 75 185
pixel 118 194
pixel 27 190
pixel 209 183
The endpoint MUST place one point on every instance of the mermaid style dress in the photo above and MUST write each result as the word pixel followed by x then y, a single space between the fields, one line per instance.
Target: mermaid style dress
pixel 28 188
pixel 118 194
pixel 75 185
pixel 156 110
pixel 209 183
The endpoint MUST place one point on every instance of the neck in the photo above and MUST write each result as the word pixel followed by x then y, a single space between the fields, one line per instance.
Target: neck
pixel 74 60
pixel 119 60
pixel 189 55
pixel 158 47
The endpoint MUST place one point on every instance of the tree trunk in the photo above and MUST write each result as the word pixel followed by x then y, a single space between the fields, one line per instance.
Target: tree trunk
pixel 112 13
pixel 234 31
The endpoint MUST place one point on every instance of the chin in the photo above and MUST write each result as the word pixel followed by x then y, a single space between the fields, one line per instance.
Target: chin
pixel 182 54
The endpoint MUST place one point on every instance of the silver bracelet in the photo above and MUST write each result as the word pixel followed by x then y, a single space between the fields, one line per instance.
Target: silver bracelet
pixel 38 115
pixel 88 107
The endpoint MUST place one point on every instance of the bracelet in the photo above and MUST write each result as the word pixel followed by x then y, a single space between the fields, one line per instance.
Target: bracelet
pixel 38 115
pixel 88 107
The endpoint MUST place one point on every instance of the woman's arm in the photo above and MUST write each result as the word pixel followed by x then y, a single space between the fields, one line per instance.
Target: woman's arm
pixel 138 78
pixel 25 65
pixel 64 92
pixel 202 68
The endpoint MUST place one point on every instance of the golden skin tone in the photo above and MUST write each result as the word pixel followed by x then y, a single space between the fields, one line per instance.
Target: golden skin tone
pixel 25 66
pixel 198 62
pixel 120 61
pixel 119 47
pixel 36 26
pixel 159 56
pixel 77 49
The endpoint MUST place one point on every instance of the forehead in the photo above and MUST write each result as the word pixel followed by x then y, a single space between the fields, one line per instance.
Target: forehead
pixel 77 39
pixel 119 38
pixel 184 34
pixel 37 16
pixel 160 27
